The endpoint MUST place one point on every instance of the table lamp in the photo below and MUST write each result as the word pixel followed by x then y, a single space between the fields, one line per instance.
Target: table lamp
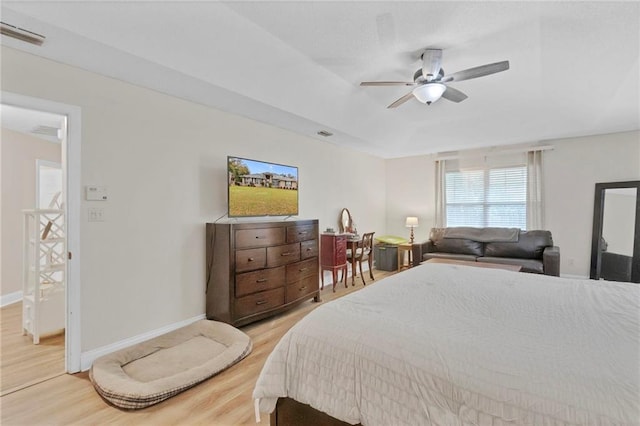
pixel 412 222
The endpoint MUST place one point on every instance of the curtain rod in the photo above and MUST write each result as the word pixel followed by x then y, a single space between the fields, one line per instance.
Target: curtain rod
pixel 452 155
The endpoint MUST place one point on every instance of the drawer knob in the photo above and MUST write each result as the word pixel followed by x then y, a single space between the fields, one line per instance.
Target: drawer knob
pixel 262 280
pixel 251 259
pixel 261 302
pixel 287 253
pixel 260 237
pixel 303 269
pixel 303 288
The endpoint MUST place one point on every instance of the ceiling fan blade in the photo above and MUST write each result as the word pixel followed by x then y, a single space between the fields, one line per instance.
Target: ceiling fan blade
pixel 431 63
pixel 476 72
pixel 402 100
pixel 454 95
pixel 387 83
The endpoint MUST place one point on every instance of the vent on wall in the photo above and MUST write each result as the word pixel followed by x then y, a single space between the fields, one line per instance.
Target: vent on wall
pixel 47 131
pixel 21 34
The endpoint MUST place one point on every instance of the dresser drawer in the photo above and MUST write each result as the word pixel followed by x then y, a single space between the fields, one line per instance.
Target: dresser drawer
pixel 259 302
pixel 259 237
pixel 341 250
pixel 300 270
pixel 301 233
pixel 302 288
pixel 248 260
pixel 281 255
pixel 308 249
pixel 264 279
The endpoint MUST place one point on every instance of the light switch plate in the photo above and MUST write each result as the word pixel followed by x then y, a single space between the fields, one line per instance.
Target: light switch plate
pixel 96 214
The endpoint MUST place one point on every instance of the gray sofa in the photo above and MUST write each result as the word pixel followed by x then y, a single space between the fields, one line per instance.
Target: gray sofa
pixel 533 250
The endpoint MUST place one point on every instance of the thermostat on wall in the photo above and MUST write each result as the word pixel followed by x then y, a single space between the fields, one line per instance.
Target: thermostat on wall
pixel 96 193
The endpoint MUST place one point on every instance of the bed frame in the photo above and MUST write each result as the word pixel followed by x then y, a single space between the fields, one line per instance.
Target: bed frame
pixel 291 412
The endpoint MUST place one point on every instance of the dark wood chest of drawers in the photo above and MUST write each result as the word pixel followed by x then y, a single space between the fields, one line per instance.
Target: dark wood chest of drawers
pixel 255 270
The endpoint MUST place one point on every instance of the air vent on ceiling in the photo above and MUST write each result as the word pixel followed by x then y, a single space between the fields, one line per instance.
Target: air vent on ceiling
pixel 21 34
pixel 46 131
pixel 325 133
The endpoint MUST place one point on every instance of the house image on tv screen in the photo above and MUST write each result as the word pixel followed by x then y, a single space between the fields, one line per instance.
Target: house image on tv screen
pixel 268 180
pixel 259 188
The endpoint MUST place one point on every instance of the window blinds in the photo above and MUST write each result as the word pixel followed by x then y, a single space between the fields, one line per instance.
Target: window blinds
pixel 494 197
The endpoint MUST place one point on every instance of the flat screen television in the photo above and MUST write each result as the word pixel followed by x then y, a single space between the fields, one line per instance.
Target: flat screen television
pixel 260 188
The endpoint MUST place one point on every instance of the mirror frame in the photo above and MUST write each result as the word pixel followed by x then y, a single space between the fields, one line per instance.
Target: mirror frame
pixel 598 213
pixel 343 228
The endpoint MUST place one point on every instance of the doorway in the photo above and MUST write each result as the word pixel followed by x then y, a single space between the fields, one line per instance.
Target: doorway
pixel 47 178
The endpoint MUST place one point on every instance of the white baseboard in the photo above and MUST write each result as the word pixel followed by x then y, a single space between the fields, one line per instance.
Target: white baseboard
pixel 10 298
pixel 87 358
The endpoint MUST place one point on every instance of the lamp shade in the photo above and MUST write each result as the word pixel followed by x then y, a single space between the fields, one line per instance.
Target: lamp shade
pixel 411 222
pixel 429 92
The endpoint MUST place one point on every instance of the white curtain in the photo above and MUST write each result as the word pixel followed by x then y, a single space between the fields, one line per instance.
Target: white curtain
pixel 535 191
pixel 440 221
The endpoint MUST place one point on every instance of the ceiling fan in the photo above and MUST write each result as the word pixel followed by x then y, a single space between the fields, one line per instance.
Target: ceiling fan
pixel 430 80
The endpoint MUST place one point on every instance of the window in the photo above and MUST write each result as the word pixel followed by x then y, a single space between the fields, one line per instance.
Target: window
pixel 48 185
pixel 495 197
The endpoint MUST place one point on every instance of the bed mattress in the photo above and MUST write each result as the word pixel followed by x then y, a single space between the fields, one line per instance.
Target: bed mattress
pixel 457 345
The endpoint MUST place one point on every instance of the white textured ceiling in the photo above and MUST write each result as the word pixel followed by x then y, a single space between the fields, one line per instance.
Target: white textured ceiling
pixel 298 64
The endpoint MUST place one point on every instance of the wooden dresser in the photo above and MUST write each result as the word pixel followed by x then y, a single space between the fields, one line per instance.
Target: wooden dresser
pixel 333 257
pixel 259 269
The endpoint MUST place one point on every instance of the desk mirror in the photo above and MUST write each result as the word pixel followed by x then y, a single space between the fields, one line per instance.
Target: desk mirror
pixel 346 221
pixel 615 246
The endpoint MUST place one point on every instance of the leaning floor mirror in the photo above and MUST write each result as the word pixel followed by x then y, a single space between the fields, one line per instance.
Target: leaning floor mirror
pixel 615 246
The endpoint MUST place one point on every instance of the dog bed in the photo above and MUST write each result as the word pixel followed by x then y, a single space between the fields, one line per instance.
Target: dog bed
pixel 159 368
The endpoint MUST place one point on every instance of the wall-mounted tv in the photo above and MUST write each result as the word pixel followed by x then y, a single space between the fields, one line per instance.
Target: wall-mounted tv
pixel 260 188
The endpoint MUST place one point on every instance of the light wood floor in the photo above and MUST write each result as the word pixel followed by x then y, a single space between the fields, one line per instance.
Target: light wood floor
pixel 222 400
pixel 21 362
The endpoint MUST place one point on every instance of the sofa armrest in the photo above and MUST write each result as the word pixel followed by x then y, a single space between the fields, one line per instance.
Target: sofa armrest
pixel 551 260
pixel 418 250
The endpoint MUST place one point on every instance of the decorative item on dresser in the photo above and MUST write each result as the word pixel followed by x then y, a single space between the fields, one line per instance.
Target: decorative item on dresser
pixel 333 256
pixel 258 269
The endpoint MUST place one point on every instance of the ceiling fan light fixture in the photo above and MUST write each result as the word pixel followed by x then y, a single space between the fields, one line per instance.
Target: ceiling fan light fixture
pixel 429 92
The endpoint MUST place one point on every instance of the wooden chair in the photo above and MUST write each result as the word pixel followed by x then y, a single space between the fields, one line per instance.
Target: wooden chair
pixel 364 253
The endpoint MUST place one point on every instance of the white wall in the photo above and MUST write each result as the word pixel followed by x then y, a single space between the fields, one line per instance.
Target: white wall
pixel 18 168
pixel 571 169
pixel 411 192
pixel 163 162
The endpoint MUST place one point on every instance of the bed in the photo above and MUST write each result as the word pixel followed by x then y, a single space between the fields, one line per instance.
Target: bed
pixel 446 344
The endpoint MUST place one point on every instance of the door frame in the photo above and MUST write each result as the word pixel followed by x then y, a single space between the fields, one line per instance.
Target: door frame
pixel 71 175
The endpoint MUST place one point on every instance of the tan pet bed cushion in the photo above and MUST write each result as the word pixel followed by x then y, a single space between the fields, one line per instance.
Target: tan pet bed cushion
pixel 152 371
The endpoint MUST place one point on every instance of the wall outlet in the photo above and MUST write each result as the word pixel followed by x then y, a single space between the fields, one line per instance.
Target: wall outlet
pixel 96 214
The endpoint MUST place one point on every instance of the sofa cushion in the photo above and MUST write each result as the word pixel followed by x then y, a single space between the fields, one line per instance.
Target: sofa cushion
pixel 528 265
pixel 530 245
pixel 455 245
